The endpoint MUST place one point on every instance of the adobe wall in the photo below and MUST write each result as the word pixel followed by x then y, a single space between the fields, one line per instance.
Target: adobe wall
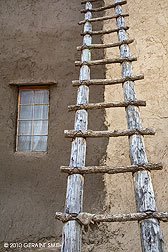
pixel 38 44
pixel 148 22
pixel 39 40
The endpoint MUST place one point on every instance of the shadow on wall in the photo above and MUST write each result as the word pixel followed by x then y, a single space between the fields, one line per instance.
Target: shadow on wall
pixel 38 43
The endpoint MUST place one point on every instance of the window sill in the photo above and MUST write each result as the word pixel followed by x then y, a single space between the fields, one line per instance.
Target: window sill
pixel 31 153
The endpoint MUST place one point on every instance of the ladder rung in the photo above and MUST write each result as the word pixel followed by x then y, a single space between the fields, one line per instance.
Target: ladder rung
pixel 104 7
pixel 102 105
pixel 103 18
pixel 105 61
pixel 87 218
pixel 101 46
pixel 108 133
pixel 107 81
pixel 91 1
pixel 111 169
pixel 105 31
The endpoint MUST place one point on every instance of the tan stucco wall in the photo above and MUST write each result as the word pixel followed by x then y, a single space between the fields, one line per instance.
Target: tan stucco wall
pixel 39 40
pixel 148 22
pixel 38 44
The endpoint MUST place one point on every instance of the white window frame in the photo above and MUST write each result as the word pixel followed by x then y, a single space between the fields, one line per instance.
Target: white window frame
pixel 33 88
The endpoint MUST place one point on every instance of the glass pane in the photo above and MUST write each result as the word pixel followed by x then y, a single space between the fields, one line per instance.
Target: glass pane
pixel 40 128
pixel 25 128
pixel 26 96
pixel 41 112
pixel 24 143
pixel 39 143
pixel 41 96
pixel 26 112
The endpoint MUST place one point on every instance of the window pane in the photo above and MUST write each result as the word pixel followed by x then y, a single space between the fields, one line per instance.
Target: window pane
pixel 41 96
pixel 26 96
pixel 39 143
pixel 24 143
pixel 26 112
pixel 33 119
pixel 40 127
pixel 25 128
pixel 41 112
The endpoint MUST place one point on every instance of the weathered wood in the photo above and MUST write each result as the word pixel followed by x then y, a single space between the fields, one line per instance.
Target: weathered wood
pixel 103 18
pixel 71 237
pixel 104 7
pixel 91 1
pixel 105 61
pixel 111 169
pixel 108 133
pixel 151 237
pixel 88 218
pixel 46 83
pixel 102 46
pixel 103 105
pixel 108 81
pixel 102 32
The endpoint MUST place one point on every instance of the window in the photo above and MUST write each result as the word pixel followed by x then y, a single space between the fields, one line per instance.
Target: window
pixel 32 123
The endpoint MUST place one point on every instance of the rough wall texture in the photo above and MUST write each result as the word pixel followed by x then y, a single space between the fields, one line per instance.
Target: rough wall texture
pixel 38 43
pixel 148 22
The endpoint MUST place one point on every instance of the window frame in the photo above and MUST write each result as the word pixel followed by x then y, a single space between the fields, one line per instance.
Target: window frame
pixel 43 87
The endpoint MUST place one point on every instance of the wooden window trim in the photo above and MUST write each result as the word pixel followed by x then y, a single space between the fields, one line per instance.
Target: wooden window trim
pixel 35 84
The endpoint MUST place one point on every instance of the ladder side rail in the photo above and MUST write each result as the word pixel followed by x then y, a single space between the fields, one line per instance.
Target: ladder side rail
pixel 145 200
pixel 71 237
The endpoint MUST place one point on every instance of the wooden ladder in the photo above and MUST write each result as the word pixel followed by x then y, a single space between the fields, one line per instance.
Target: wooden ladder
pixel 147 214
